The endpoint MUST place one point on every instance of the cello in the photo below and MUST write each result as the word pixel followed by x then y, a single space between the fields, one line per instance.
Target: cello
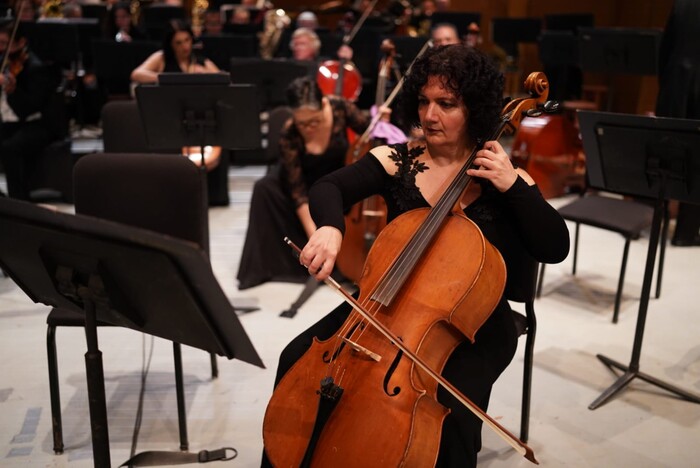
pixel 389 353
pixel 341 77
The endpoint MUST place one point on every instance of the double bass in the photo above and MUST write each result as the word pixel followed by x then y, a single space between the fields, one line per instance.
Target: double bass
pixel 368 396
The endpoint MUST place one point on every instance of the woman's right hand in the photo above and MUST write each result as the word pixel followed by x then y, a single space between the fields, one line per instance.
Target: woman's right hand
pixel 319 254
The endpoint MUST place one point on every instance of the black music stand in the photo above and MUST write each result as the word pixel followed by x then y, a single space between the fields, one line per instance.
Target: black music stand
pixel 652 157
pixel 199 109
pixel 509 32
pixel 271 77
pixel 619 50
pixel 122 275
pixel 220 49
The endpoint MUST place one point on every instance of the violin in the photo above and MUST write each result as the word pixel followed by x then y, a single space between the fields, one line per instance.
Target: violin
pixel 368 396
pixel 341 77
pixel 13 61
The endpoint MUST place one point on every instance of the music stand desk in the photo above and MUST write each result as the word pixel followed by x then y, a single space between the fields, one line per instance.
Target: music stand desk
pixel 122 275
pixel 203 112
pixel 651 157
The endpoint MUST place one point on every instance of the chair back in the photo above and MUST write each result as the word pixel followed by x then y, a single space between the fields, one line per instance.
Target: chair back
pixel 161 192
pixel 521 285
pixel 122 131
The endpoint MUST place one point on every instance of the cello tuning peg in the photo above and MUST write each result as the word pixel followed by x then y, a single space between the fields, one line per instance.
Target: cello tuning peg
pixel 551 107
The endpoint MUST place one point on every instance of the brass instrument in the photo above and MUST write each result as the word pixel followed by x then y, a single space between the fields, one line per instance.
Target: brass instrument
pixel 52 9
pixel 135 10
pixel 276 20
pixel 199 7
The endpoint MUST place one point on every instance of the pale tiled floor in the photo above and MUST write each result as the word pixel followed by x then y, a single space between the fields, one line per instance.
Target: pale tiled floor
pixel 642 427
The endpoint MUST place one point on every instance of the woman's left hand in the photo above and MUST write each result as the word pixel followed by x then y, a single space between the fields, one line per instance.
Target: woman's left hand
pixel 494 164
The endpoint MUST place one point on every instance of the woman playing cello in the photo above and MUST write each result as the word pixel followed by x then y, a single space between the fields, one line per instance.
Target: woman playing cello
pixel 455 95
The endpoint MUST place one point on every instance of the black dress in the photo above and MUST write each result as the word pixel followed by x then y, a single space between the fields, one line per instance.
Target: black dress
pixel 519 222
pixel 276 197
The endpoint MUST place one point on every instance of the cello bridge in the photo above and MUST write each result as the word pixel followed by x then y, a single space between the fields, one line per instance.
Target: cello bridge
pixel 361 349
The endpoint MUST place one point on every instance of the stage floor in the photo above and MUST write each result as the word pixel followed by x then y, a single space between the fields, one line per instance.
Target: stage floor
pixel 642 427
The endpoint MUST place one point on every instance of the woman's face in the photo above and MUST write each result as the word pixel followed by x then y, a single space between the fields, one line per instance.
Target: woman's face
pixel 122 19
pixel 307 120
pixel 182 45
pixel 443 116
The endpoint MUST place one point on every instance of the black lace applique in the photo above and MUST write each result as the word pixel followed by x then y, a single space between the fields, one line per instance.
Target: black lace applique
pixel 408 166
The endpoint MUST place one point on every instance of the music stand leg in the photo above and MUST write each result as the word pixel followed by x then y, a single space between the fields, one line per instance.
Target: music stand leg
pixel 96 384
pixel 632 370
pixel 310 287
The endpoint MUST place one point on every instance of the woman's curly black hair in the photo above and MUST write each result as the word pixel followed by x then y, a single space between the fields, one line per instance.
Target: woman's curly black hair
pixel 469 73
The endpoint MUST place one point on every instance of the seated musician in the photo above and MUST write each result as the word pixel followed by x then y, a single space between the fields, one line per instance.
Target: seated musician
pixel 178 55
pixel 120 27
pixel 306 46
pixel 313 143
pixel 455 94
pixel 26 86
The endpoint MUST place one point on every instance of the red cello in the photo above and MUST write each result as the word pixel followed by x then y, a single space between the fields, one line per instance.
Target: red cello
pixel 341 77
pixel 431 280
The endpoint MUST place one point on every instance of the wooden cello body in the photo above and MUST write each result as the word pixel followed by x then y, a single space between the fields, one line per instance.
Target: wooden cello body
pixel 431 321
pixel 551 151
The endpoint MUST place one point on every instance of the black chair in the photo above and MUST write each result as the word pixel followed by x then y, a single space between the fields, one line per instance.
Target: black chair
pixel 521 287
pixel 629 218
pixel 160 192
pixel 123 132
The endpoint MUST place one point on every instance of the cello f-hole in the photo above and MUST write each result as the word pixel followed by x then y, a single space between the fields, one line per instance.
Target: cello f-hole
pixel 390 372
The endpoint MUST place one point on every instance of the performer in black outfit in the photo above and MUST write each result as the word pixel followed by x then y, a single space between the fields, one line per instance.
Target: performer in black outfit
pixel 313 143
pixel 26 88
pixel 679 92
pixel 455 94
pixel 178 56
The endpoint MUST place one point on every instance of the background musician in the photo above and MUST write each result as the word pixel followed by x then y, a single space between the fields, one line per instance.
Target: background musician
pixel 313 143
pixel 178 55
pixel 454 93
pixel 306 46
pixel 444 34
pixel 26 88
pixel 120 26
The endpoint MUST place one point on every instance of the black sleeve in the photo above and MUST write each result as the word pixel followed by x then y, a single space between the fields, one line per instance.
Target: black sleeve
pixel 542 229
pixel 336 192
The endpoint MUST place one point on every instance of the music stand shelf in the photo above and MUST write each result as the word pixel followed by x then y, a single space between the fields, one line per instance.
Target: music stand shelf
pixel 651 157
pixel 122 275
